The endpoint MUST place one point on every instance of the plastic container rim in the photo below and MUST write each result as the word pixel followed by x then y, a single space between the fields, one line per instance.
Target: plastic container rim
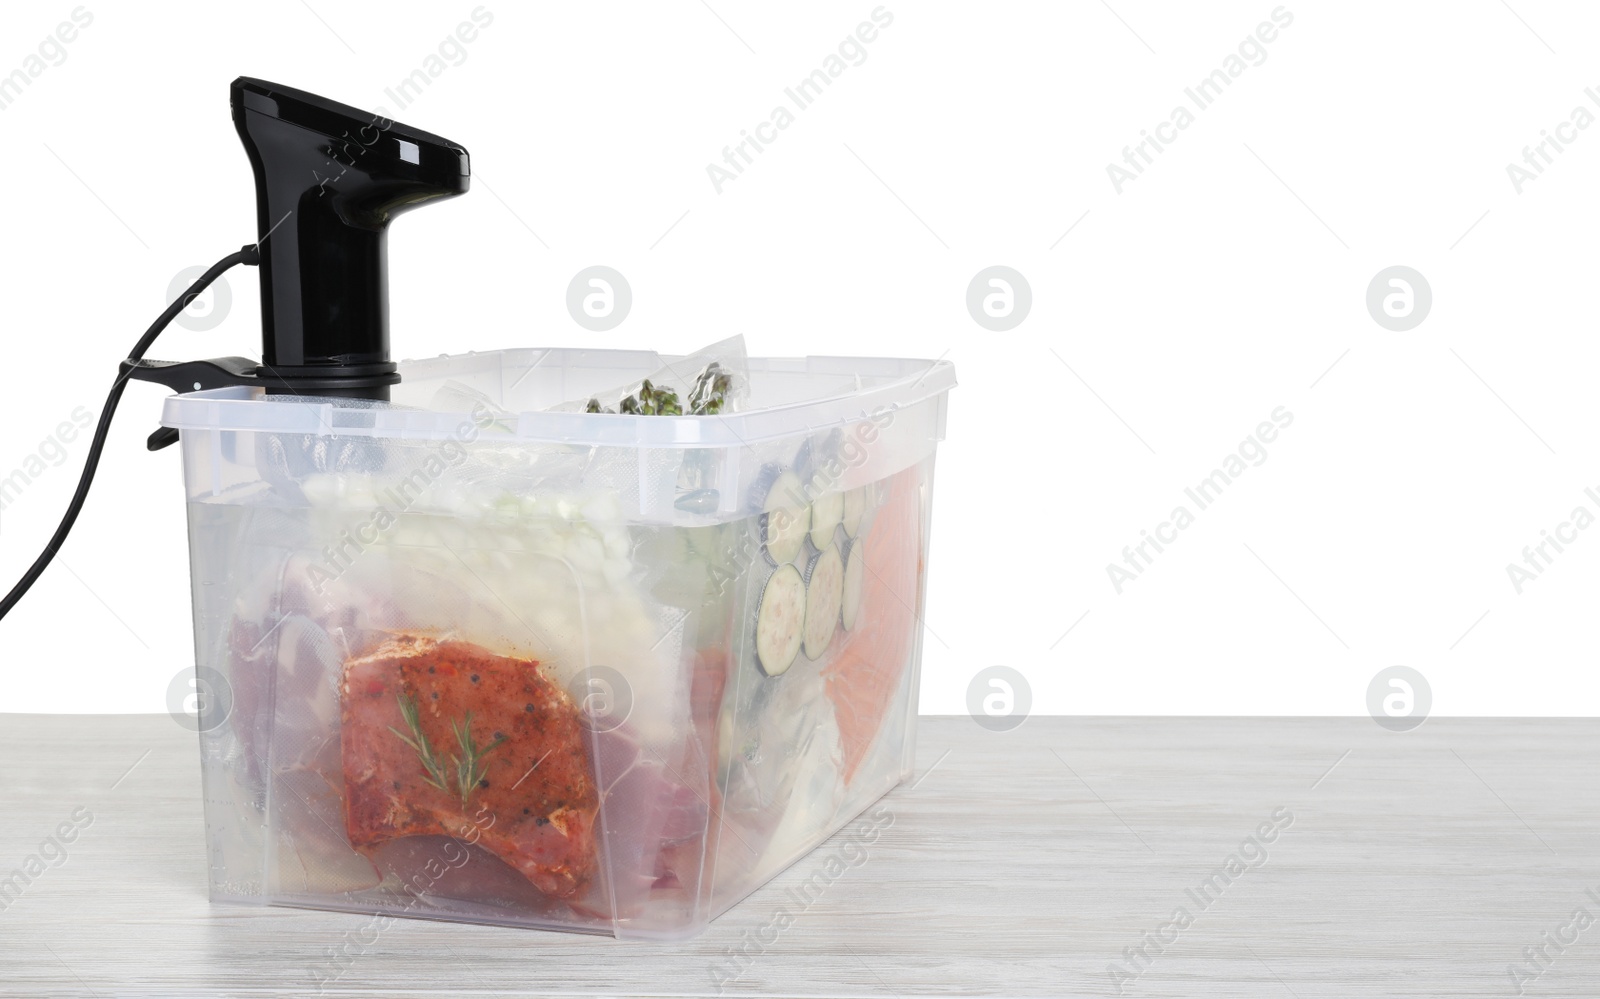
pixel 881 383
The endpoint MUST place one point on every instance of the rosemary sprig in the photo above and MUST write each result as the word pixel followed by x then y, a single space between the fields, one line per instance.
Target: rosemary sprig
pixel 432 762
pixel 468 768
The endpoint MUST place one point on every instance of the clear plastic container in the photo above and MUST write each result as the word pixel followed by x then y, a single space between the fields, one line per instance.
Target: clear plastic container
pixel 489 662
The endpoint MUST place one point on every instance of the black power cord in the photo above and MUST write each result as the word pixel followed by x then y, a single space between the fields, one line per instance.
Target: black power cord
pixel 250 255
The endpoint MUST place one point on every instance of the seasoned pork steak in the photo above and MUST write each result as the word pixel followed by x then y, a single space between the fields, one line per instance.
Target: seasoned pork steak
pixel 446 738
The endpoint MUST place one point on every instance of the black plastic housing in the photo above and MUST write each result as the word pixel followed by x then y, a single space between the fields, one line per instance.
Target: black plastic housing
pixel 329 179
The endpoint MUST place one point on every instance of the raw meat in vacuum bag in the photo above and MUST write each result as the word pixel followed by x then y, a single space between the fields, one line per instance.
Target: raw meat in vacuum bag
pixel 443 737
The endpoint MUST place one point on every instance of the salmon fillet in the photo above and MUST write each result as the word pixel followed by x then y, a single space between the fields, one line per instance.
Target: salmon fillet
pixel 863 679
pixel 534 801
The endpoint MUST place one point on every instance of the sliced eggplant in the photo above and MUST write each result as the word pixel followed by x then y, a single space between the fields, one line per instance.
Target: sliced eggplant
pixel 824 594
pixel 827 511
pixel 855 508
pixel 780 620
pixel 855 579
pixel 785 518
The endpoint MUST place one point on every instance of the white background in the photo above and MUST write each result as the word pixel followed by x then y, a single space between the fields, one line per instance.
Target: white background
pixel 1228 280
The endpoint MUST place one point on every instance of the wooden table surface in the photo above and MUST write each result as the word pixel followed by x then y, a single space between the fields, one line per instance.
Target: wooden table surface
pixel 1425 863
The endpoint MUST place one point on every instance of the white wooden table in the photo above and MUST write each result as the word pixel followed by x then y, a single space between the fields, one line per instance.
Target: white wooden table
pixel 1024 863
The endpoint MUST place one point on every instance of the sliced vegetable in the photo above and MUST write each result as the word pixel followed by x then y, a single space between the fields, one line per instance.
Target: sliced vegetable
pixel 780 620
pixel 855 507
pixel 826 513
pixel 785 519
pixel 824 593
pixel 855 577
